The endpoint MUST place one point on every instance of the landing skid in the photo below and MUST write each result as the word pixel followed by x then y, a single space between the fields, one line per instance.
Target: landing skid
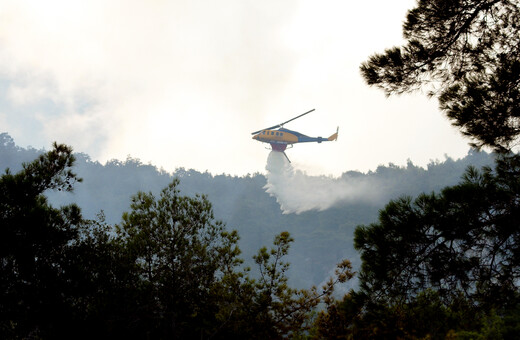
pixel 281 152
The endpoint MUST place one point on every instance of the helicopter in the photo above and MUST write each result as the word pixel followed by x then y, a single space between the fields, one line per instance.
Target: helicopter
pixel 280 138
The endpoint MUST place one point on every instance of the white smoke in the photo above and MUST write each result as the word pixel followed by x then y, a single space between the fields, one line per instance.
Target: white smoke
pixel 297 192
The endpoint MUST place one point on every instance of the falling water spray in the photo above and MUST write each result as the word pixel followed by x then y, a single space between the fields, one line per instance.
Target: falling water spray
pixel 297 192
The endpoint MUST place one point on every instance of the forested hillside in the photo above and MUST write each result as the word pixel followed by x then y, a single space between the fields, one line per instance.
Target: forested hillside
pixel 322 238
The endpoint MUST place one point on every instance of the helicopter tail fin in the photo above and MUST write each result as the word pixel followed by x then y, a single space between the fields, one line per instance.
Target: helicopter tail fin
pixel 334 136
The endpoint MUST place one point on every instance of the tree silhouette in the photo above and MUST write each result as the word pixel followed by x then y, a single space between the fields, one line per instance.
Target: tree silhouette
pixel 467 54
pixel 35 288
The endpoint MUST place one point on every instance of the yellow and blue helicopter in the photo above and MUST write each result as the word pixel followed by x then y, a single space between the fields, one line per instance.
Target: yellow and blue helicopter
pixel 280 138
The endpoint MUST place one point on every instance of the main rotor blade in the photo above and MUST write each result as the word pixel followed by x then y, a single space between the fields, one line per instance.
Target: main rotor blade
pixel 290 120
pixel 282 124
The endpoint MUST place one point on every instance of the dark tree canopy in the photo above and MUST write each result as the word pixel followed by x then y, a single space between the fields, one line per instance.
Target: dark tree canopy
pixel 464 241
pixel 34 243
pixel 443 265
pixel 467 53
pixel 447 265
pixel 191 285
pixel 168 271
pixel 184 259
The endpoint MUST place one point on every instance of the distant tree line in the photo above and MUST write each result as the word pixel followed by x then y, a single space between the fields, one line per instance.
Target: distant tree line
pixel 322 238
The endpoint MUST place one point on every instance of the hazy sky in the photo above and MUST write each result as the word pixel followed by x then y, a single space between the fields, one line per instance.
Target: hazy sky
pixel 184 83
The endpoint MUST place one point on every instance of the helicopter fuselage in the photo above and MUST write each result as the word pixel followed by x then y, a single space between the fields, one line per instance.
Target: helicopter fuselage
pixel 280 138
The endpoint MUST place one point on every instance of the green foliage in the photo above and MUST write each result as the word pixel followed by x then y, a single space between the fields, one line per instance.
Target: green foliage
pixel 442 266
pixel 188 277
pixel 287 310
pixel 451 260
pixel 169 270
pixel 425 316
pixel 183 259
pixel 466 52
pixel 464 240
pixel 35 238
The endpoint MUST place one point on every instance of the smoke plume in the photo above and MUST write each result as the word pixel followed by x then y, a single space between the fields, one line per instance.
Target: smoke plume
pixel 297 192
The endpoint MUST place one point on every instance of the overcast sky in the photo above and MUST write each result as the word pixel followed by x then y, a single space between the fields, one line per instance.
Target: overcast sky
pixel 184 83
